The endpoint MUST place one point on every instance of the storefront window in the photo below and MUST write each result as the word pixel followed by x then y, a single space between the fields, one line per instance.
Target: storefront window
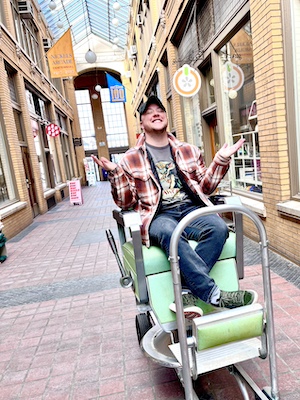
pixel 7 187
pixel 210 86
pixel 67 155
pixel 43 154
pixel 192 120
pixel 240 110
pixel 294 87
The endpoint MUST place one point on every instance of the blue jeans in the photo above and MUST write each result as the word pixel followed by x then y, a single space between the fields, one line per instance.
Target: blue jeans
pixel 209 231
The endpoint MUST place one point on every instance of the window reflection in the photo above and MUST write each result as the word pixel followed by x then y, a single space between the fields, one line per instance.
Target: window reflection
pixel 240 109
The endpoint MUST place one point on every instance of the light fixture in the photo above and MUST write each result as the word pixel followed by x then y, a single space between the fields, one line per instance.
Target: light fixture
pixel 116 6
pixel 52 5
pixel 98 88
pixel 60 24
pixel 115 21
pixel 94 96
pixel 116 40
pixel 114 47
pixel 90 56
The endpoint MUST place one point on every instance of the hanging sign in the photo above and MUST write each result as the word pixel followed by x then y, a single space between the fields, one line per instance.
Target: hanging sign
pixel 61 57
pixel 186 81
pixel 52 130
pixel 116 90
pixel 233 76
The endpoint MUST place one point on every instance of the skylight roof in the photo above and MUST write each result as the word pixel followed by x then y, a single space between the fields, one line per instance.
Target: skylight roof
pixel 87 17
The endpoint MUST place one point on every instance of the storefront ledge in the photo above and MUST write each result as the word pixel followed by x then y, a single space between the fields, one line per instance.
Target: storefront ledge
pixel 290 208
pixel 254 205
pixel 49 193
pixel 60 186
pixel 12 209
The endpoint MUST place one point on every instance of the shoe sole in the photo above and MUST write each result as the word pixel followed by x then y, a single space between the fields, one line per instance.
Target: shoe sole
pixel 255 296
pixel 189 312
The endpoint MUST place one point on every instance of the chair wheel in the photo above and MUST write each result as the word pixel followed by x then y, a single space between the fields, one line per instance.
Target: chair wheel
pixel 142 324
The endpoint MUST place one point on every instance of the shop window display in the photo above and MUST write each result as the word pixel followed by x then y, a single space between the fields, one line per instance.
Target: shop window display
pixel 7 187
pixel 240 110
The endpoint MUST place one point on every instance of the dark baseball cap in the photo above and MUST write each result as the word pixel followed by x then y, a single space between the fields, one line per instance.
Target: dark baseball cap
pixel 151 100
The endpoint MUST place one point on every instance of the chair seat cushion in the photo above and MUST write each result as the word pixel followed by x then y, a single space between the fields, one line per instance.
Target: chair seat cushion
pixel 224 273
pixel 155 260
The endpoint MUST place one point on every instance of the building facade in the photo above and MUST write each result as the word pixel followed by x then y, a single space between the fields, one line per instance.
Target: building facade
pixel 34 167
pixel 247 55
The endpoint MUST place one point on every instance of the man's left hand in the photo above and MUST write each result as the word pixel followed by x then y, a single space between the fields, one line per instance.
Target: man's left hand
pixel 227 151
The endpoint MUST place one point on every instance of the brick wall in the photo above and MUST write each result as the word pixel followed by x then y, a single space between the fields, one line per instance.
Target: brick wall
pixel 270 91
pixel 18 216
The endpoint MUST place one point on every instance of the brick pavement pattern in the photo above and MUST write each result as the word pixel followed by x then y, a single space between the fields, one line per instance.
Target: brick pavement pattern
pixel 67 329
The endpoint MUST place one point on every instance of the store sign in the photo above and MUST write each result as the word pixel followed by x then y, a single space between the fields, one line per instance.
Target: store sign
pixel 75 192
pixel 52 130
pixel 187 81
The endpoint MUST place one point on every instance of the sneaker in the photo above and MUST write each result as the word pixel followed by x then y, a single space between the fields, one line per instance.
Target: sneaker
pixel 237 299
pixel 190 308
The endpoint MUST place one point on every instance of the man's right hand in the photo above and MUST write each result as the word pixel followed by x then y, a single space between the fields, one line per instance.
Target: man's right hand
pixel 104 163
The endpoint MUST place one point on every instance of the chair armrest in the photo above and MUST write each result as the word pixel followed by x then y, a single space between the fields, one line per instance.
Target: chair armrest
pixel 127 219
pixel 239 232
pixel 132 221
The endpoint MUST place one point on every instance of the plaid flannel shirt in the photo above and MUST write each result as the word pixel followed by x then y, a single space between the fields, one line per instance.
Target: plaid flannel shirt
pixel 134 185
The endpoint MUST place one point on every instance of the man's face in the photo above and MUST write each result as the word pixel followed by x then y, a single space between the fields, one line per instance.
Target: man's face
pixel 154 119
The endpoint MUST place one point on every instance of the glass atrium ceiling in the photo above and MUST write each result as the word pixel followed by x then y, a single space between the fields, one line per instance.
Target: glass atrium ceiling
pixel 87 18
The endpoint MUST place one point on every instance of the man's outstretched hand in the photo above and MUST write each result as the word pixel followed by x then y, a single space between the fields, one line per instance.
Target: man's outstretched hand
pixel 227 151
pixel 104 163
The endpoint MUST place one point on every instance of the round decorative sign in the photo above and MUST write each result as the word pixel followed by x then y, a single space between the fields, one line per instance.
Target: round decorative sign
pixel 233 76
pixel 186 81
pixel 52 130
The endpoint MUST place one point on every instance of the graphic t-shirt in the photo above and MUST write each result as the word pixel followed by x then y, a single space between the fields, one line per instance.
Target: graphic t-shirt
pixel 173 192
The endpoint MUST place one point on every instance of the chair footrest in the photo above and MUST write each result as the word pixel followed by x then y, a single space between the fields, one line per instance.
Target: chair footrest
pixel 228 326
pixel 222 356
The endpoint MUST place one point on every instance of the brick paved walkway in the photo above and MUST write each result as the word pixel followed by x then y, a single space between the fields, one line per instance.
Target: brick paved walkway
pixel 67 329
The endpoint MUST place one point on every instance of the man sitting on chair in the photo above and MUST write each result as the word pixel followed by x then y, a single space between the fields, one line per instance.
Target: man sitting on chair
pixel 164 179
